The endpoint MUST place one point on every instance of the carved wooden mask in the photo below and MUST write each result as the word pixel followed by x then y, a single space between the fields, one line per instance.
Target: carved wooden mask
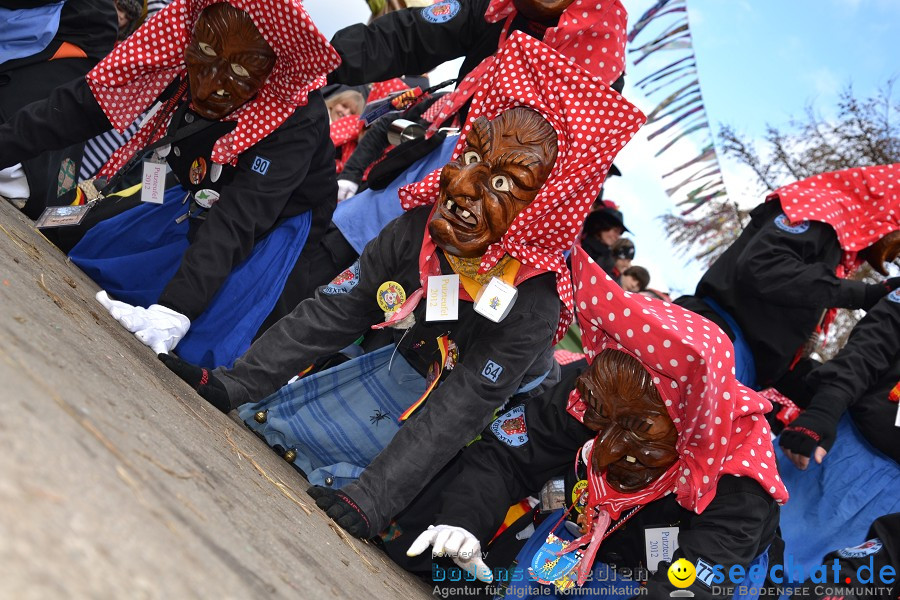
pixel 885 250
pixel 227 61
pixel 500 171
pixel 636 437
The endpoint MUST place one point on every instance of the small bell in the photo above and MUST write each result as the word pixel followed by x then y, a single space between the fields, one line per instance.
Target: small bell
pixel 290 455
pixel 260 417
pixel 329 481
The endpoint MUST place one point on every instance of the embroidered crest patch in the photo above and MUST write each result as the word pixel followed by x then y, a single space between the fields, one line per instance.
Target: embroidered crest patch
pixel 894 296
pixel 441 12
pixel 784 224
pixel 343 283
pixel 866 548
pixel 510 427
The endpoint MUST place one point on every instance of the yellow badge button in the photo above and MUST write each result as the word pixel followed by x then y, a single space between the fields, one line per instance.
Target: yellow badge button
pixel 390 296
pixel 682 573
pixel 579 497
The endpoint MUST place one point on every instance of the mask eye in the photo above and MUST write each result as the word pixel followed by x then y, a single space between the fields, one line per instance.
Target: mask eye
pixel 471 157
pixel 206 49
pixel 239 70
pixel 501 183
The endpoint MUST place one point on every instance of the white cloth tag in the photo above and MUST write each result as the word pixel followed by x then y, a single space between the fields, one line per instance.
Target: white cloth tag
pixel 154 182
pixel 443 298
pixel 495 299
pixel 897 418
pixel 661 544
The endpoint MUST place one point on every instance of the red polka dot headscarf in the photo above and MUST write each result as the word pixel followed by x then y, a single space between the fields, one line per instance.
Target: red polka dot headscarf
pixel 590 32
pixel 134 74
pixel 592 123
pixel 862 205
pixel 721 425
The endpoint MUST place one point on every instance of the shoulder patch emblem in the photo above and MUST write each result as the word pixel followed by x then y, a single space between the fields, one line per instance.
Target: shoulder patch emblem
pixel 343 283
pixel 784 224
pixel 866 548
pixel 510 427
pixel 441 12
pixel 894 296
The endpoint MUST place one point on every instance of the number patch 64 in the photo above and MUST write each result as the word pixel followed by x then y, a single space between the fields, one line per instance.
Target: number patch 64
pixel 491 371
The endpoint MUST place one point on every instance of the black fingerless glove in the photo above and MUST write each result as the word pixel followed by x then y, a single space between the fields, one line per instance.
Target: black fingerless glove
pixel 210 388
pixel 816 426
pixel 342 509
pixel 877 291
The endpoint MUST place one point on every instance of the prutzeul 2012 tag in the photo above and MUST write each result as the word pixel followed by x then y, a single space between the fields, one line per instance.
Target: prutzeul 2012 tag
pixel 442 298
pixel 153 182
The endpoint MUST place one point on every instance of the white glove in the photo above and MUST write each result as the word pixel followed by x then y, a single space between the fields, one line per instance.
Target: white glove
pixel 457 543
pixel 346 189
pixel 159 327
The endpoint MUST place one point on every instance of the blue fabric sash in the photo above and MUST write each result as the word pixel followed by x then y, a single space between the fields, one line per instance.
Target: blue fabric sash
pixel 833 504
pixel 362 217
pixel 135 254
pixel 744 365
pixel 25 32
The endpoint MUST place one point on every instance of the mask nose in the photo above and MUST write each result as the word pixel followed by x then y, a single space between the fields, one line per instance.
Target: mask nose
pixel 466 184
pixel 610 446
pixel 209 81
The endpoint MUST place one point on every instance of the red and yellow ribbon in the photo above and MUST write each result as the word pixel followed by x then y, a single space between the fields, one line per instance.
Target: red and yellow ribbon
pixel 443 343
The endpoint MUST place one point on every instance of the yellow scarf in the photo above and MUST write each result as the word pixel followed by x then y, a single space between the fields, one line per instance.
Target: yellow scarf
pixel 467 269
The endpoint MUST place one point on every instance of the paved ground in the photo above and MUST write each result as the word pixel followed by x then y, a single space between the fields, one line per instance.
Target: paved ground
pixel 117 481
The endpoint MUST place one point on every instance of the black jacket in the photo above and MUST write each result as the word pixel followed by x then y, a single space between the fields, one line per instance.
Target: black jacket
pixel 494 473
pixel 465 401
pixel 405 42
pixel 864 372
pixel 289 172
pixel 776 284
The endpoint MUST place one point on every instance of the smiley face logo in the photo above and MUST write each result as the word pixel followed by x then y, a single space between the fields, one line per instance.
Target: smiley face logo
pixel 682 573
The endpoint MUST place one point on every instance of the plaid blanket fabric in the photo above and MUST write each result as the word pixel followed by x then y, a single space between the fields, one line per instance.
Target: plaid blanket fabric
pixel 338 420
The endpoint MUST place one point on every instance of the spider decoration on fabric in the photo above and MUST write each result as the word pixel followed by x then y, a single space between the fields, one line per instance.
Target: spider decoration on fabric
pixel 378 417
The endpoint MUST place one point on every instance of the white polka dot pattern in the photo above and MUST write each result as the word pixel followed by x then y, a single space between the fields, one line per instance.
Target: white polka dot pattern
pixel 592 123
pixel 133 75
pixel 720 423
pixel 591 32
pixel 862 204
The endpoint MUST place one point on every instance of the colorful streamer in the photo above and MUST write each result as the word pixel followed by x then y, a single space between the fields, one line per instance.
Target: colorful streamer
pixel 681 114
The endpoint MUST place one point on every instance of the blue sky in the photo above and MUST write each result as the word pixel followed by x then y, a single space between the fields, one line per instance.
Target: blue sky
pixel 759 61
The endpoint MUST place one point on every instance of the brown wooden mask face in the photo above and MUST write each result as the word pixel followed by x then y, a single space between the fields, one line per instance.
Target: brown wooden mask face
pixel 541 11
pixel 501 170
pixel 636 437
pixel 227 61
pixel 885 250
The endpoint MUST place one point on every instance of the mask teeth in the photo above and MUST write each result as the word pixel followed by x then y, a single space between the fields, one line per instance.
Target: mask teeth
pixel 630 459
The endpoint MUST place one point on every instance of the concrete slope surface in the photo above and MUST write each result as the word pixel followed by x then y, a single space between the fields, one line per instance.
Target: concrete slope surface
pixel 118 481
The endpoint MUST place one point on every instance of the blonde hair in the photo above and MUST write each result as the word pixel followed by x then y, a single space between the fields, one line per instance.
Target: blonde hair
pixel 352 98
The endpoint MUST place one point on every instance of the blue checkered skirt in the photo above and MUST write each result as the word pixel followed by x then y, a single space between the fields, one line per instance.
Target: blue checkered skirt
pixel 338 420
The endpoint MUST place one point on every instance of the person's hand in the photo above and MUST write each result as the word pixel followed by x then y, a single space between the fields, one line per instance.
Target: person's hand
pixel 211 389
pixel 812 434
pixel 457 543
pixel 159 327
pixel 877 291
pixel 346 189
pixel 342 510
